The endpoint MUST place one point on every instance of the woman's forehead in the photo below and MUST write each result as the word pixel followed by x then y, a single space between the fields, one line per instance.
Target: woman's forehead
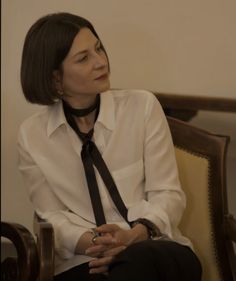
pixel 83 41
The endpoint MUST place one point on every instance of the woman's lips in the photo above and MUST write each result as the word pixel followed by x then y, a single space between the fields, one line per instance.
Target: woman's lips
pixel 102 77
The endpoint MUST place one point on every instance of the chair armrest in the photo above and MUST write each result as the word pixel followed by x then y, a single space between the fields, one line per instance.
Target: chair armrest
pixel 25 266
pixel 45 243
pixel 230 227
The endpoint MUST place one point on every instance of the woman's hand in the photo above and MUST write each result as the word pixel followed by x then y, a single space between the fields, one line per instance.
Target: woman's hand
pixel 112 241
pixel 120 236
pixel 104 249
pixel 102 262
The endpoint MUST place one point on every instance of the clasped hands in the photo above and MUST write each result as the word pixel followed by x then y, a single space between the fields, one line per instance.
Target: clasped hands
pixel 111 241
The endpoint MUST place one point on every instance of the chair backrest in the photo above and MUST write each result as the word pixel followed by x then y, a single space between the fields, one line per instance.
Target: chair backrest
pixel 201 162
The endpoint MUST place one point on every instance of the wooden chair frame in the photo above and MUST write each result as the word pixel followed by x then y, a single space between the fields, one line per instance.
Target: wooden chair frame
pixel 185 107
pixel 25 266
pixel 214 148
pixel 45 246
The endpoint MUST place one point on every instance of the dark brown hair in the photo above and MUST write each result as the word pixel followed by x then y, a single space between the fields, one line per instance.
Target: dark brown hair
pixel 47 43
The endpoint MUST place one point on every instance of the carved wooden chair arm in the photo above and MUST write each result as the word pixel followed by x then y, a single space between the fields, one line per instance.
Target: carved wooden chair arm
pixel 25 266
pixel 45 243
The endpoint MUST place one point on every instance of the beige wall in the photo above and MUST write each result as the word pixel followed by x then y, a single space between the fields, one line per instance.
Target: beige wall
pixel 174 46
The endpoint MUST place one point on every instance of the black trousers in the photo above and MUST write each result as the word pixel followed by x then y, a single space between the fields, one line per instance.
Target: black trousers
pixel 145 261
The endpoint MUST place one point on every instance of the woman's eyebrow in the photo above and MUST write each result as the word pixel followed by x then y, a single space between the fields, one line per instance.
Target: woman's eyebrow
pixel 98 42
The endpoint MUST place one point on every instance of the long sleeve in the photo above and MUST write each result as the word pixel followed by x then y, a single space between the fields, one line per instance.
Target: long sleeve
pixel 66 225
pixel 165 201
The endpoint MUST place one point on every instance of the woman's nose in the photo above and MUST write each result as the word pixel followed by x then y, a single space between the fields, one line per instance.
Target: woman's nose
pixel 100 60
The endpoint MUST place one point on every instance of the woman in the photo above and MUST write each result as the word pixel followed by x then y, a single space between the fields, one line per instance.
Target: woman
pixel 99 164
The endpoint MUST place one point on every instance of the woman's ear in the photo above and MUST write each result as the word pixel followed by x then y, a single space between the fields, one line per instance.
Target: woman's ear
pixel 57 81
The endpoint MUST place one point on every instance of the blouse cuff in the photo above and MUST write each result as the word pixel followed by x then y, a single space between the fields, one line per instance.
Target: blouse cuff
pixel 159 217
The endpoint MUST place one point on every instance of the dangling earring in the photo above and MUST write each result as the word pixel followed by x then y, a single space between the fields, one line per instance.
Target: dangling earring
pixel 60 92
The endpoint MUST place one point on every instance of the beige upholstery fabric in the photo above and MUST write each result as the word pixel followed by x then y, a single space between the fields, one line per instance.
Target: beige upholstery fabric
pixel 196 223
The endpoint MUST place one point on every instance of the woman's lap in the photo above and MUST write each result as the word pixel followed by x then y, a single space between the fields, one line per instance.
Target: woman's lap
pixel 148 260
pixel 80 272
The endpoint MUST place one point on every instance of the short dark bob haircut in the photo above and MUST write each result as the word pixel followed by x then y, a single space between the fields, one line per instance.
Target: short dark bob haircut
pixel 46 45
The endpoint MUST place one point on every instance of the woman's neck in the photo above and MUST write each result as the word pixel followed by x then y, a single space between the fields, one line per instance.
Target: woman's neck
pixel 81 101
pixel 84 116
pixel 86 123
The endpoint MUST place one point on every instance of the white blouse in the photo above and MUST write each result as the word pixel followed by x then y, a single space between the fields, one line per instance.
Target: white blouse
pixel 133 136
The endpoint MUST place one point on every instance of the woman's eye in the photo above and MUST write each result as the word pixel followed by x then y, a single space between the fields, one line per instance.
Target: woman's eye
pixel 84 58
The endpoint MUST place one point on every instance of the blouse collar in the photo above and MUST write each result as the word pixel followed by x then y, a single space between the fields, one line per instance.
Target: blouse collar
pixel 106 114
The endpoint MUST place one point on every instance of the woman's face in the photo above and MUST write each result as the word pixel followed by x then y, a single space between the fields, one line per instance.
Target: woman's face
pixel 85 69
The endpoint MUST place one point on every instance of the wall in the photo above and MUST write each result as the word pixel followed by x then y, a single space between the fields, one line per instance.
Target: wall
pixel 173 46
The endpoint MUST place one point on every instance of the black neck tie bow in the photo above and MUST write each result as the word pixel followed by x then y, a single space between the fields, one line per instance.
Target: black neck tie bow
pixel 91 157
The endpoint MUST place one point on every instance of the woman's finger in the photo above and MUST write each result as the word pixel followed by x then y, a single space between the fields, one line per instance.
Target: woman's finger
pixel 114 251
pixel 95 251
pixel 102 269
pixel 101 262
pixel 105 240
